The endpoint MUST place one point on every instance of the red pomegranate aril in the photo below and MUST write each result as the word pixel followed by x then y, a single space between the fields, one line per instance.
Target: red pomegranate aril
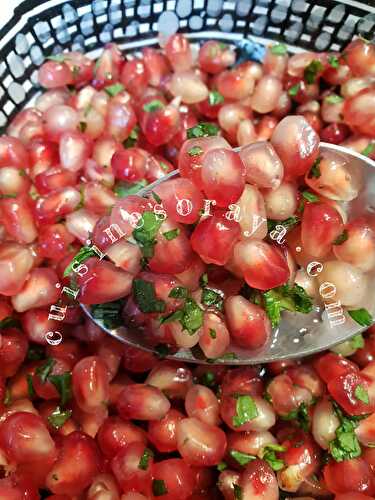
pixel 54 241
pixel 76 466
pixel 156 64
pixel 137 361
pixel 44 388
pixel 201 403
pixel 358 112
pixel 13 350
pixel 107 69
pixel 247 323
pixel 199 443
pixel 227 481
pixel 349 476
pixel 129 474
pixel 258 481
pixel 263 166
pixel 360 57
pixel 57 204
pixel 300 150
pixel 13 181
pixel 223 176
pixel 130 165
pixel 177 477
pixel 90 382
pixel 39 290
pixel 172 378
pixel 142 402
pixel 115 434
pixel 53 179
pixel 162 433
pixel 121 120
pixel 13 153
pixel 263 264
pixel 321 225
pixel 160 125
pixel 54 74
pixel 134 77
pixel 235 84
pixel 17 218
pixel 213 239
pixel 178 52
pixel 215 338
pixel 264 419
pixel 104 487
pixel 74 150
pixel 343 389
pixel 215 56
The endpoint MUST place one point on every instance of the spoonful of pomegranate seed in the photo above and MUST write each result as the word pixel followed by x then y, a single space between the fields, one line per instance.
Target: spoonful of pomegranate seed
pixel 242 256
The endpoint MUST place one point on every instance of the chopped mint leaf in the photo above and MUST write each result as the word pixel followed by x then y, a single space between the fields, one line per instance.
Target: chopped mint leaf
pixel 171 235
pixel 156 197
pixel 30 387
pixel 237 490
pixel 56 58
pixel 82 127
pixel 293 91
pixel 333 99
pixel 345 446
pixel 246 410
pixel 212 298
pixel 288 223
pixel 212 333
pixel 162 350
pixel 152 106
pixel 5 196
pixel 9 322
pixel 179 292
pixel 312 70
pixel 44 370
pixel 132 139
pixel 63 384
pixel 361 316
pixel 315 169
pixel 361 394
pixel 145 235
pixel 113 90
pixel 58 417
pixel 158 487
pixel 241 458
pixel 333 61
pixel 286 297
pixel 35 353
pixel 145 297
pixel 222 466
pixel 301 415
pixel 144 461
pixel 214 98
pixel 123 189
pixel 279 49
pixel 341 238
pixel 195 151
pixel 109 313
pixel 202 130
pixel 203 280
pixel 269 455
pixel 369 149
pixel 208 379
pixel 357 342
pixel 311 197
pixel 84 254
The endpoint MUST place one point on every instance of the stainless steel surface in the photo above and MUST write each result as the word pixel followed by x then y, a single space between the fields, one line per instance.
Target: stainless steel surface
pixel 298 334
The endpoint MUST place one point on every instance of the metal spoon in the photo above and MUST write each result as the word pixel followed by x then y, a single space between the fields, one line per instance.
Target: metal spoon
pixel 298 334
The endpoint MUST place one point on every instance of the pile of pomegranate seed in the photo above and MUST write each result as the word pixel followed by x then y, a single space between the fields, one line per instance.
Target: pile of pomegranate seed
pixel 210 259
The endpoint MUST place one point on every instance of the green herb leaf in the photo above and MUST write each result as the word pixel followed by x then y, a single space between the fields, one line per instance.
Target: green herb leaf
pixel 312 70
pixel 246 410
pixel 201 130
pixel 333 99
pixel 179 292
pixel 222 466
pixel 346 445
pixel 158 487
pixel 84 254
pixel 8 397
pixel 63 384
pixel 214 98
pixel 269 455
pixel 144 461
pixel 9 322
pixel 58 417
pixel 361 316
pixel 30 387
pixel 109 313
pixel 212 333
pixel 279 49
pixel 357 342
pixel 123 189
pixel 145 297
pixel 44 370
pixel 195 151
pixel 113 90
pixel 164 166
pixel 193 317
pixel 145 235
pixel 286 298
pixel 361 394
pixel 369 149
pixel 293 91
pixel 333 61
pixel 35 353
pixel 301 415
pixel 208 379
pixel 5 196
pixel 237 490
pixel 241 458
pixel 171 235
pixel 311 197
pixel 56 58
pixel 212 298
pixel 82 127
pixel 288 223
pixel 152 106
pixel 203 280
pixel 315 169
pixel 156 197
pixel 162 350
pixel 132 139
pixel 341 238
pixel 228 356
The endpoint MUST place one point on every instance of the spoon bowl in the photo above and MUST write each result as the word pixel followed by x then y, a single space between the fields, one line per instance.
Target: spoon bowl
pixel 297 335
